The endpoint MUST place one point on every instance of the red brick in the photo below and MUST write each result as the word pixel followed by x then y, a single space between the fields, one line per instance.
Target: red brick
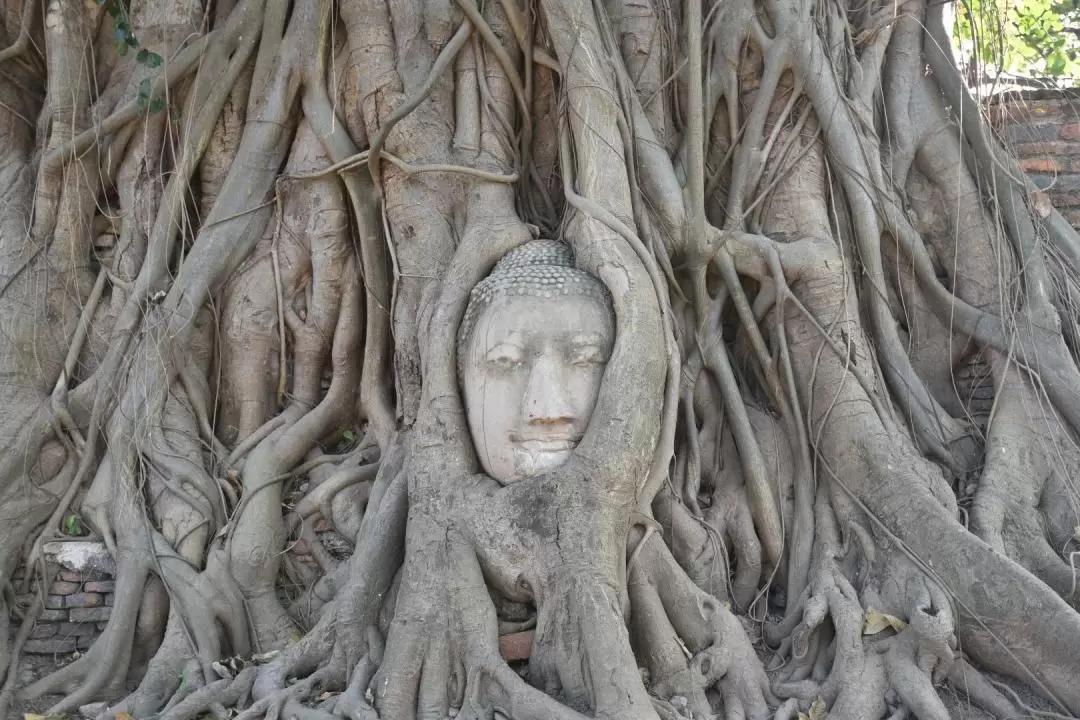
pixel 90 615
pixel 1070 131
pixel 70 576
pixel 64 587
pixel 1056 148
pixel 517 646
pixel 100 586
pixel 1044 164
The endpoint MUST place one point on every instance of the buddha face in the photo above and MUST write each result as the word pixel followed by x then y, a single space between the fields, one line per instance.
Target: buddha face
pixel 531 375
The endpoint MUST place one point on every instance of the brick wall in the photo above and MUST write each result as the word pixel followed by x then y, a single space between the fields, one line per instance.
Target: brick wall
pixel 79 600
pixel 1043 128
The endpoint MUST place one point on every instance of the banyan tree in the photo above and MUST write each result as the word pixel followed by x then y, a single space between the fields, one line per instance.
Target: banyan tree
pixel 718 344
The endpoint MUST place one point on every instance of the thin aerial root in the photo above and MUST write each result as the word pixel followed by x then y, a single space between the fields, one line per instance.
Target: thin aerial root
pixel 980 690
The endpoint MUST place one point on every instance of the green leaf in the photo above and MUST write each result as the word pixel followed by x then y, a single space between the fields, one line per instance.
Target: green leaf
pixel 149 59
pixel 157 104
pixel 143 98
pixel 73 526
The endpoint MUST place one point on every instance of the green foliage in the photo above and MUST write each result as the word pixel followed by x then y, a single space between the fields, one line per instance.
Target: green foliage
pixel 125 41
pixel 1030 38
pixel 73 526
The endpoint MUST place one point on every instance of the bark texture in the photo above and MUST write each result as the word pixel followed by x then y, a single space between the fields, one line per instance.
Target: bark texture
pixel 832 467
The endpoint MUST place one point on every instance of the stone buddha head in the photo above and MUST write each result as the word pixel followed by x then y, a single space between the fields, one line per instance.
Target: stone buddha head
pixel 532 348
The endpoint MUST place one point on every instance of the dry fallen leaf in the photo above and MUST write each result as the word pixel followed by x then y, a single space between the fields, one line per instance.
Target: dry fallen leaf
pixel 875 622
pixel 1041 202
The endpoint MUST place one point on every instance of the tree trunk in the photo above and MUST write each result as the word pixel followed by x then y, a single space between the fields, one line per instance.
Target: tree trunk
pixel 831 465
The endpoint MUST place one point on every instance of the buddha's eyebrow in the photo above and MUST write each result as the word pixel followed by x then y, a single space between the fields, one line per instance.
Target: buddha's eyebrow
pixel 587 339
pixel 503 346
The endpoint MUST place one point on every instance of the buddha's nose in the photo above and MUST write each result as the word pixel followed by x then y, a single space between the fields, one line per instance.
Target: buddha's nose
pixel 546 400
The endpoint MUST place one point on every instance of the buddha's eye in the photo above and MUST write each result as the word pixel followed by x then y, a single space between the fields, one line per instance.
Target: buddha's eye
pixel 505 358
pixel 587 356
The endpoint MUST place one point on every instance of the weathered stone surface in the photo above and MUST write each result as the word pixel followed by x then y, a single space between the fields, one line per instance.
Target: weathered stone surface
pixel 84 600
pixel 77 629
pixel 64 587
pixel 90 614
pixel 45 630
pixel 100 586
pixel 52 616
pixel 80 556
pixel 533 329
pixel 55 602
pixel 51 646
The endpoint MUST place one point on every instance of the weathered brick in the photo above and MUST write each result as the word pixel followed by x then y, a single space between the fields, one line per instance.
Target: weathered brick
pixel 77 628
pixel 44 630
pixel 1067 199
pixel 1042 165
pixel 84 642
pixel 100 586
pixel 1045 109
pixel 50 646
pixel 109 599
pixel 516 646
pixel 55 602
pixel 64 587
pixel 1027 133
pixel 84 600
pixel 1070 131
pixel 52 616
pixel 1072 216
pixel 1055 148
pixel 1056 183
pixel 70 576
pixel 90 615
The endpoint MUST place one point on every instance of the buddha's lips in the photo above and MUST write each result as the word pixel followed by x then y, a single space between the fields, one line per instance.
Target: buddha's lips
pixel 553 444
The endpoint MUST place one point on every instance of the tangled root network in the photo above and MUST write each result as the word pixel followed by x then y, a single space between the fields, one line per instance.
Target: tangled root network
pixel 831 469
